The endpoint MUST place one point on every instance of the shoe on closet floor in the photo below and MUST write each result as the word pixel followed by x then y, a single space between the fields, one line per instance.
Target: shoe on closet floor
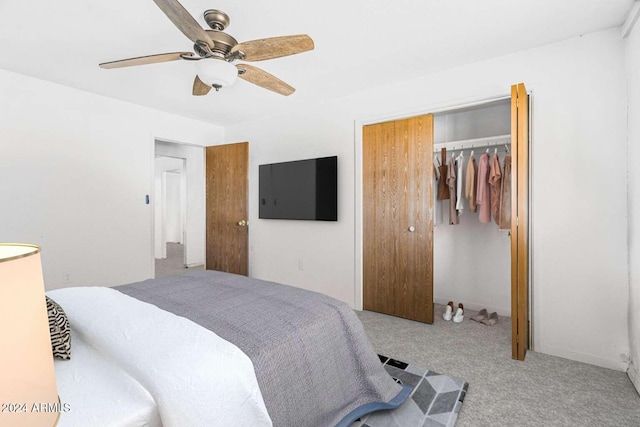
pixel 491 320
pixel 482 314
pixel 459 316
pixel 448 312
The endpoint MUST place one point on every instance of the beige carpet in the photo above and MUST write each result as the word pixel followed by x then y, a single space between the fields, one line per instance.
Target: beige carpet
pixel 173 264
pixel 541 391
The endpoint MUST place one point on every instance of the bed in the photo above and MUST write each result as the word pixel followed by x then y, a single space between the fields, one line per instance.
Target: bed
pixel 96 386
pixel 216 349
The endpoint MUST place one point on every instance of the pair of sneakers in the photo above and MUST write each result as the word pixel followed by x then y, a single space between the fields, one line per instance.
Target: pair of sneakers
pixel 449 314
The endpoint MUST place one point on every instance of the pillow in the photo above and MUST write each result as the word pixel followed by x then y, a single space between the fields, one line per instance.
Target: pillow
pixel 59 330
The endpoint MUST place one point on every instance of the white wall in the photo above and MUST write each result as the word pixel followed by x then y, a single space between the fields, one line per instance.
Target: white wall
pixel 632 46
pixel 173 208
pixel 472 264
pixel 578 186
pixel 75 169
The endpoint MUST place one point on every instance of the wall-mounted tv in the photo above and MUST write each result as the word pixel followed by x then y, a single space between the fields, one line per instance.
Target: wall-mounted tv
pixel 304 189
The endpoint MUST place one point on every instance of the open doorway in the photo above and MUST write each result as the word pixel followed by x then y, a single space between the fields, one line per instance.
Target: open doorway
pixel 170 210
pixel 178 208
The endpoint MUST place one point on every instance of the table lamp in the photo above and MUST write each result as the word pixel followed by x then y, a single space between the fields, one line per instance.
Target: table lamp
pixel 28 392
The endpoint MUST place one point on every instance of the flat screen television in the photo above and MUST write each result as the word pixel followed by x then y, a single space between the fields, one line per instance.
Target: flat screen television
pixel 304 189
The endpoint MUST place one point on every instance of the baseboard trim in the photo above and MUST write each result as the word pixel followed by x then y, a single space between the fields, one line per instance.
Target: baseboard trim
pixel 615 364
pixel 634 376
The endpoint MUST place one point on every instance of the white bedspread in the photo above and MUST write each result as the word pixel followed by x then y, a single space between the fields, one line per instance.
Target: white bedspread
pixel 99 393
pixel 195 377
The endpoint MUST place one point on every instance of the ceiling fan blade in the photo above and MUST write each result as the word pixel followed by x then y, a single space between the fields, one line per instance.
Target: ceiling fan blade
pixel 263 79
pixel 199 88
pixel 143 60
pixel 274 47
pixel 184 21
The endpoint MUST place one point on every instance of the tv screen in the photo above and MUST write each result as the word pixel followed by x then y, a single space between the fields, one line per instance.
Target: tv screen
pixel 304 189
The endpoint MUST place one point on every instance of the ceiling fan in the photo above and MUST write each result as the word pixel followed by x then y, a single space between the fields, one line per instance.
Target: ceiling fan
pixel 216 50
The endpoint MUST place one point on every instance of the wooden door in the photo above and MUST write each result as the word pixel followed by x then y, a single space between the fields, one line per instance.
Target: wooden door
pixel 519 221
pixel 398 218
pixel 226 193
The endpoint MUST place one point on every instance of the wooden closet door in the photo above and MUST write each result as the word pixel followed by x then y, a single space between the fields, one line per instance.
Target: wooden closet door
pixel 398 218
pixel 519 221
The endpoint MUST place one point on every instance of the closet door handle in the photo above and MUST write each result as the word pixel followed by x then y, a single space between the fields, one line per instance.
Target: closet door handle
pixel 412 229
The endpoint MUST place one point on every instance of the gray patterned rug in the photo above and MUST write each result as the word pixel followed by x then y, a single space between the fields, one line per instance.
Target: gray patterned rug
pixel 435 400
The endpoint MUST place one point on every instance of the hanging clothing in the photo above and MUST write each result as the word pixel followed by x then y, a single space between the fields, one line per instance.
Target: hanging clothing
pixel 495 181
pixel 505 195
pixel 443 184
pixel 451 180
pixel 471 184
pixel 437 204
pixel 483 196
pixel 459 198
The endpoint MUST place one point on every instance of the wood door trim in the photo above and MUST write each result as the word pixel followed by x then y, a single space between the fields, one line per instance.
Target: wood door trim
pixel 520 222
pixel 523 221
pixel 514 228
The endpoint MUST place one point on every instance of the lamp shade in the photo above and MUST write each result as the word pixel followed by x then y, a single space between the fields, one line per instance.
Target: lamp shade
pixel 27 376
pixel 216 72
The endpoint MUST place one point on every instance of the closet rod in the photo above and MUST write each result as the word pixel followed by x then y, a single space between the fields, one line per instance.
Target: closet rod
pixel 466 144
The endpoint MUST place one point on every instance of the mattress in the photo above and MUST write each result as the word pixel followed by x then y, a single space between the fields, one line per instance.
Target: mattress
pixel 99 393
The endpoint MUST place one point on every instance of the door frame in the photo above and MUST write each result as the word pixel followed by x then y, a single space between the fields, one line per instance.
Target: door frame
pixel 358 183
pixel 152 215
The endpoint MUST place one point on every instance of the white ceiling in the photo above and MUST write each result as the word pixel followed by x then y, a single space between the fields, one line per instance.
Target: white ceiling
pixel 359 44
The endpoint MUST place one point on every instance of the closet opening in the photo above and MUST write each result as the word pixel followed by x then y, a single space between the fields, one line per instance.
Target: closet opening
pixel 472 219
pixel 419 248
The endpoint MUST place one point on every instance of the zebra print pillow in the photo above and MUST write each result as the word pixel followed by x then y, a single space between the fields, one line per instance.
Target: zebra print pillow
pixel 59 330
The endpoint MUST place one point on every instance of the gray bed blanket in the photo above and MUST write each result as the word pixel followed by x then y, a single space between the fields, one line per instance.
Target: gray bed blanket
pixel 312 359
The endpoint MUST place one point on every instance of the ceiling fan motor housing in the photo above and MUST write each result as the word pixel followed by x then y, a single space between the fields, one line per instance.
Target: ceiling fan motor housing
pixel 223 43
pixel 216 19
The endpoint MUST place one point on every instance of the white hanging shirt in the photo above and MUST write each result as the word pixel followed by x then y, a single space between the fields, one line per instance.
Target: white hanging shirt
pixel 459 204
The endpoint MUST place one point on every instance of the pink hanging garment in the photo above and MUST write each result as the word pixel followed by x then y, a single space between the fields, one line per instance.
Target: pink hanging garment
pixel 505 195
pixel 495 182
pixel 483 196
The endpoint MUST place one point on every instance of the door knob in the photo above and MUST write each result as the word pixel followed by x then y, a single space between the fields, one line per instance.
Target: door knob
pixel 242 223
pixel 412 229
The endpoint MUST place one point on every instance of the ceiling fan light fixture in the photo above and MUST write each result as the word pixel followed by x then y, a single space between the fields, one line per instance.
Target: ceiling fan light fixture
pixel 216 72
